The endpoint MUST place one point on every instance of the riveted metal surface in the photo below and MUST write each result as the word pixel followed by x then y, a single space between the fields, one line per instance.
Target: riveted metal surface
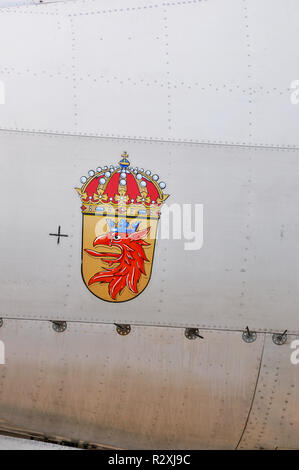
pixel 197 71
pixel 273 421
pixel 15 3
pixel 151 389
pixel 246 268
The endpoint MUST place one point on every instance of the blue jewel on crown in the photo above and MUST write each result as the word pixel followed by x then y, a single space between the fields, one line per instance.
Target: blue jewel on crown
pixel 124 163
pixel 122 226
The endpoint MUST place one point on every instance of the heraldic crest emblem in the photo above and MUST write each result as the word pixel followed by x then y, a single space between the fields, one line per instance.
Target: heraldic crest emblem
pixel 121 209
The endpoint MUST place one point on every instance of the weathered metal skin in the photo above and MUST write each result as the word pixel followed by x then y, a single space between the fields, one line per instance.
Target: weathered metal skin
pixel 273 421
pixel 165 78
pixel 153 388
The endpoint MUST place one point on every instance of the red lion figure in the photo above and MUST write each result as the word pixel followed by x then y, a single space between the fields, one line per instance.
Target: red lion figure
pixel 130 260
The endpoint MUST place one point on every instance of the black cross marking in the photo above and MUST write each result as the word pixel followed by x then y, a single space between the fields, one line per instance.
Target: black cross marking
pixel 58 235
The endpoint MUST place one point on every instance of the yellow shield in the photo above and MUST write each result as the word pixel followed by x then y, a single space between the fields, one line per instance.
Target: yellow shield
pixel 117 265
pixel 120 213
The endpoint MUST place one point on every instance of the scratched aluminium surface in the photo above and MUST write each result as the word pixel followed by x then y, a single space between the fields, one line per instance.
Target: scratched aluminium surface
pixel 274 421
pixel 192 70
pixel 151 389
pixel 245 274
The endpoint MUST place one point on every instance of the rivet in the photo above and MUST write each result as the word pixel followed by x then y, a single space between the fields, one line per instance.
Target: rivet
pixel 123 330
pixel 59 326
pixel 192 333
pixel 280 338
pixel 248 336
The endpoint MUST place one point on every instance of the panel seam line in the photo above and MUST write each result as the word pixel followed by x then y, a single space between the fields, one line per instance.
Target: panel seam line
pixel 253 396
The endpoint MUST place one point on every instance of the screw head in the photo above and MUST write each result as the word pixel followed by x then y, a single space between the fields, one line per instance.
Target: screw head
pixel 249 336
pixel 279 338
pixel 123 330
pixel 192 333
pixel 59 326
